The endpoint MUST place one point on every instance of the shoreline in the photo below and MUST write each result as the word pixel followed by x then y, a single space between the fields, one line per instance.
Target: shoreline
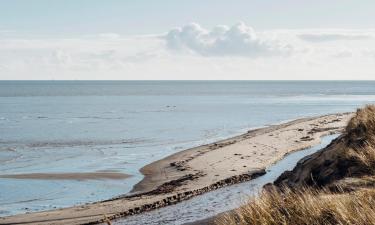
pixel 198 170
pixel 164 170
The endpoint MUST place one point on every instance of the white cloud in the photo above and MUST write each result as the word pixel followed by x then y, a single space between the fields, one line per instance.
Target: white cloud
pixel 191 52
pixel 334 36
pixel 238 40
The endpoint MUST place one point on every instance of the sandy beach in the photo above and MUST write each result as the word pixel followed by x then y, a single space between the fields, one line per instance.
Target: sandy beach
pixel 198 170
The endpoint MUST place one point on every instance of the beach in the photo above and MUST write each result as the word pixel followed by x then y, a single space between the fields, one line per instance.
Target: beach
pixel 53 130
pixel 162 113
pixel 198 170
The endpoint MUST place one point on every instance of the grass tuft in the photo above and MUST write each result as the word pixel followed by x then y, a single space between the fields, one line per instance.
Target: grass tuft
pixel 361 128
pixel 305 206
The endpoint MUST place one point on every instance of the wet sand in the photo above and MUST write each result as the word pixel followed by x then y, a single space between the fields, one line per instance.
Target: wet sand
pixel 198 170
pixel 68 176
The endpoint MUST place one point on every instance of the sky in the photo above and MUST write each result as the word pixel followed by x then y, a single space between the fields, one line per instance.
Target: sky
pixel 187 40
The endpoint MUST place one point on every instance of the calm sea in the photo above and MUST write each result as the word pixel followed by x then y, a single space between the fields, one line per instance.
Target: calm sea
pixel 89 126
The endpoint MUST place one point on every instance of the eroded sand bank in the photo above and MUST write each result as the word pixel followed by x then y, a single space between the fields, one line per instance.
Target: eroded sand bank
pixel 198 170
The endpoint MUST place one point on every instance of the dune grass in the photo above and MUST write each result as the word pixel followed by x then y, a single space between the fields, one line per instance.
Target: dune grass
pixel 360 133
pixel 305 206
pixel 361 128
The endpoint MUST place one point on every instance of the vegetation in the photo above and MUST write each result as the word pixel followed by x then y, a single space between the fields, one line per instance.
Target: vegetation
pixel 306 206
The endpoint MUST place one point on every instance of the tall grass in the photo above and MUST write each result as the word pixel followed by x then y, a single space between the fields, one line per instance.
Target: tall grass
pixel 305 206
pixel 360 135
pixel 361 128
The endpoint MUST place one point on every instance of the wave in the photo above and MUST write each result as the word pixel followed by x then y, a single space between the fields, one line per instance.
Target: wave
pixel 326 97
pixel 99 117
pixel 75 143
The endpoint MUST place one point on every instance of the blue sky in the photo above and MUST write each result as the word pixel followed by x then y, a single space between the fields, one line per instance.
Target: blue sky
pixel 195 39
pixel 145 16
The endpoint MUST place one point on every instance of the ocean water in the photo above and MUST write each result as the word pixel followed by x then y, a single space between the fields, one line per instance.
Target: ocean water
pixel 89 126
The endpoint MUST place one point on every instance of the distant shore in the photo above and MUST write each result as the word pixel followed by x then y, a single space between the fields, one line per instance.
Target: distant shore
pixel 198 170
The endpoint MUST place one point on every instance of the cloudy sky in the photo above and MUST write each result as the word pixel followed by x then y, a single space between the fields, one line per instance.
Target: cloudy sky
pixel 182 40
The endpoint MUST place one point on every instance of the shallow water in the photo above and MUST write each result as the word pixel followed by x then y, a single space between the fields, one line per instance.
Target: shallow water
pixel 220 200
pixel 89 126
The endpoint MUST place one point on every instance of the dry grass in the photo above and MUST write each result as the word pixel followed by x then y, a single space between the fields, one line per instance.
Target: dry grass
pixel 360 133
pixel 361 128
pixel 307 205
pixel 366 157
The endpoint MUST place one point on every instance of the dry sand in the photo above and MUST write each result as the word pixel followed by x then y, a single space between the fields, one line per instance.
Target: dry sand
pixel 198 170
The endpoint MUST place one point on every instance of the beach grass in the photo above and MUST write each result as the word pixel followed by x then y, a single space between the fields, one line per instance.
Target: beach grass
pixel 305 206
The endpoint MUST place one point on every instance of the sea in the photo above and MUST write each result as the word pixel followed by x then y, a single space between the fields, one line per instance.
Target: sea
pixel 121 126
